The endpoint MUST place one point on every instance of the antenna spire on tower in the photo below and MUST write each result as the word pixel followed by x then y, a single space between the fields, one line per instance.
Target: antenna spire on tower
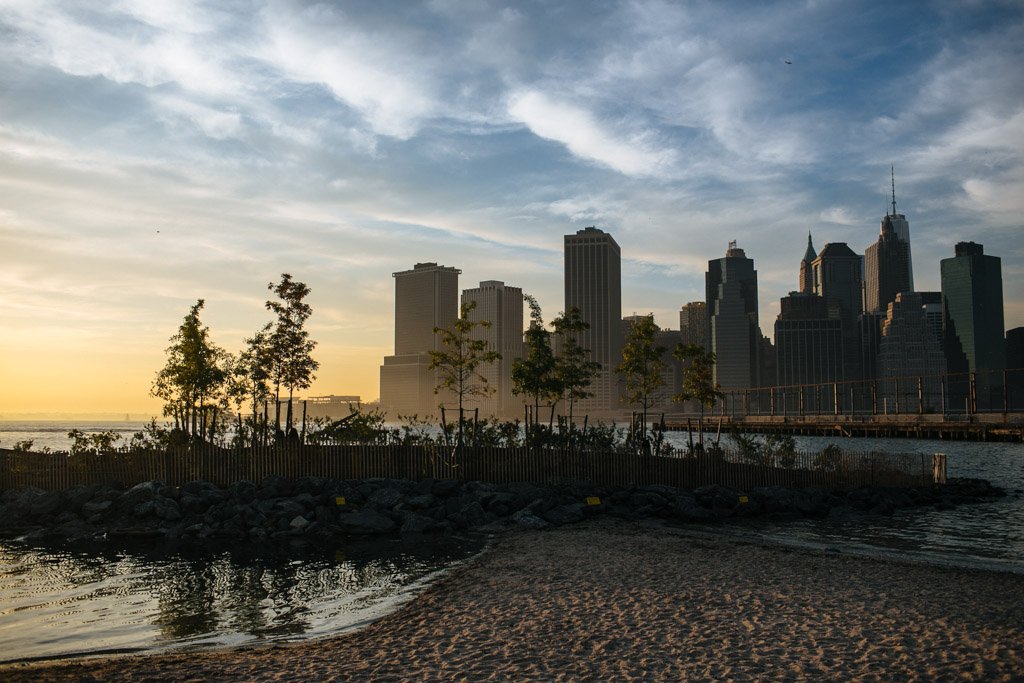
pixel 892 171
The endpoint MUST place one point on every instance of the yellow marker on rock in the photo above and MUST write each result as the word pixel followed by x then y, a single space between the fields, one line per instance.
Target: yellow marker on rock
pixel 593 500
pixel 340 500
pixel 744 499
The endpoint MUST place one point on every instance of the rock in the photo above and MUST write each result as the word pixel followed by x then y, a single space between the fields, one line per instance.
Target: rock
pixel 365 522
pixel 299 522
pixel 469 515
pixel 527 520
pixel 690 511
pixel 422 501
pixel 46 504
pixel 445 487
pixel 243 491
pixel 143 509
pixel 166 509
pixel 95 507
pixel 417 524
pixel 564 514
pixel 384 499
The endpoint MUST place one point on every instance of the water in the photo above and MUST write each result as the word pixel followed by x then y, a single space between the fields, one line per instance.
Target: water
pixel 54 434
pixel 985 535
pixel 60 603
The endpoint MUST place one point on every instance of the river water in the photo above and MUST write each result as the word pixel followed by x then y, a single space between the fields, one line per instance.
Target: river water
pixel 60 603
pixel 57 603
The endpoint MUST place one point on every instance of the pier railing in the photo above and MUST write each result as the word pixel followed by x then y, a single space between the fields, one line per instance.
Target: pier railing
pixel 828 469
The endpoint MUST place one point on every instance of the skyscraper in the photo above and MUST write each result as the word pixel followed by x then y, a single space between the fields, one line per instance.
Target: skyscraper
pixel 837 279
pixel 593 284
pixel 502 306
pixel 972 303
pixel 425 297
pixel 693 323
pixel 808 343
pixel 733 332
pixel 886 269
pixel 901 227
pixel 807 268
pixel 909 348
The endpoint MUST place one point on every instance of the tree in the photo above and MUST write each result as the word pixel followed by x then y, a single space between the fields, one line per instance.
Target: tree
pixel 193 373
pixel 535 375
pixel 292 365
pixel 642 367
pixel 250 374
pixel 573 368
pixel 698 379
pixel 459 357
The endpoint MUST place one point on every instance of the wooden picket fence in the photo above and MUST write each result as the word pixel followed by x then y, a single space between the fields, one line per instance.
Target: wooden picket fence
pixel 499 465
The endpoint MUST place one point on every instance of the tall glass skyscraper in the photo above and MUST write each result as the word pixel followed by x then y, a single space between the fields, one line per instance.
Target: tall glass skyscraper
pixel 972 309
pixel 972 324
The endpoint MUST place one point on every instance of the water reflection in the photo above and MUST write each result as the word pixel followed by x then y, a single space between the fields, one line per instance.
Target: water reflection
pixel 60 602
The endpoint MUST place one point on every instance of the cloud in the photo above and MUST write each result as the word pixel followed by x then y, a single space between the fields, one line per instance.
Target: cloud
pixel 384 81
pixel 634 154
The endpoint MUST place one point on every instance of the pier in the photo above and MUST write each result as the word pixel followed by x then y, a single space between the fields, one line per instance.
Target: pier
pixel 982 406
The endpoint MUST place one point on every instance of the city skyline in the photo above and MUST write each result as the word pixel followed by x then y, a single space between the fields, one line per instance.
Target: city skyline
pixel 149 158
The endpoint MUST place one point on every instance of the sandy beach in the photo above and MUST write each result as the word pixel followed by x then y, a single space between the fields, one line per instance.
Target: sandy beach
pixel 610 600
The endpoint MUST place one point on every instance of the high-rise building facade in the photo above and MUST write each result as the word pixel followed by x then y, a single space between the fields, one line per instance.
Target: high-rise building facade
pixel 501 306
pixel 972 320
pixel 593 284
pixel 901 227
pixel 693 324
pixel 838 279
pixel 886 269
pixel 733 332
pixel 425 297
pixel 807 268
pixel 910 358
pixel 808 342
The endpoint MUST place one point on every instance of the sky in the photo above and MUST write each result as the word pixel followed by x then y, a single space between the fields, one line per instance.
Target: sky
pixel 152 154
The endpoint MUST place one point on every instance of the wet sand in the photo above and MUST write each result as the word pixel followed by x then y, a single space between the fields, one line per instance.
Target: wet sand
pixel 609 600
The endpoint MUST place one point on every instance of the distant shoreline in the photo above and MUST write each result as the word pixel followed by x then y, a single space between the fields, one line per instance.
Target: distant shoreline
pixel 78 417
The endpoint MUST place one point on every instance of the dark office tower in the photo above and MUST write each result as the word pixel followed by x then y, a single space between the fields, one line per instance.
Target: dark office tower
pixel 972 319
pixel 767 367
pixel 593 284
pixel 693 324
pixel 1015 348
pixel 886 269
pixel 1015 368
pixel 838 279
pixel 808 342
pixel 425 297
pixel 733 333
pixel 869 327
pixel 909 358
pixel 807 268
pixel 502 307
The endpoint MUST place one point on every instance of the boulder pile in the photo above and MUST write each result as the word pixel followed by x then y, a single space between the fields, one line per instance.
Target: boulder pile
pixel 314 509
